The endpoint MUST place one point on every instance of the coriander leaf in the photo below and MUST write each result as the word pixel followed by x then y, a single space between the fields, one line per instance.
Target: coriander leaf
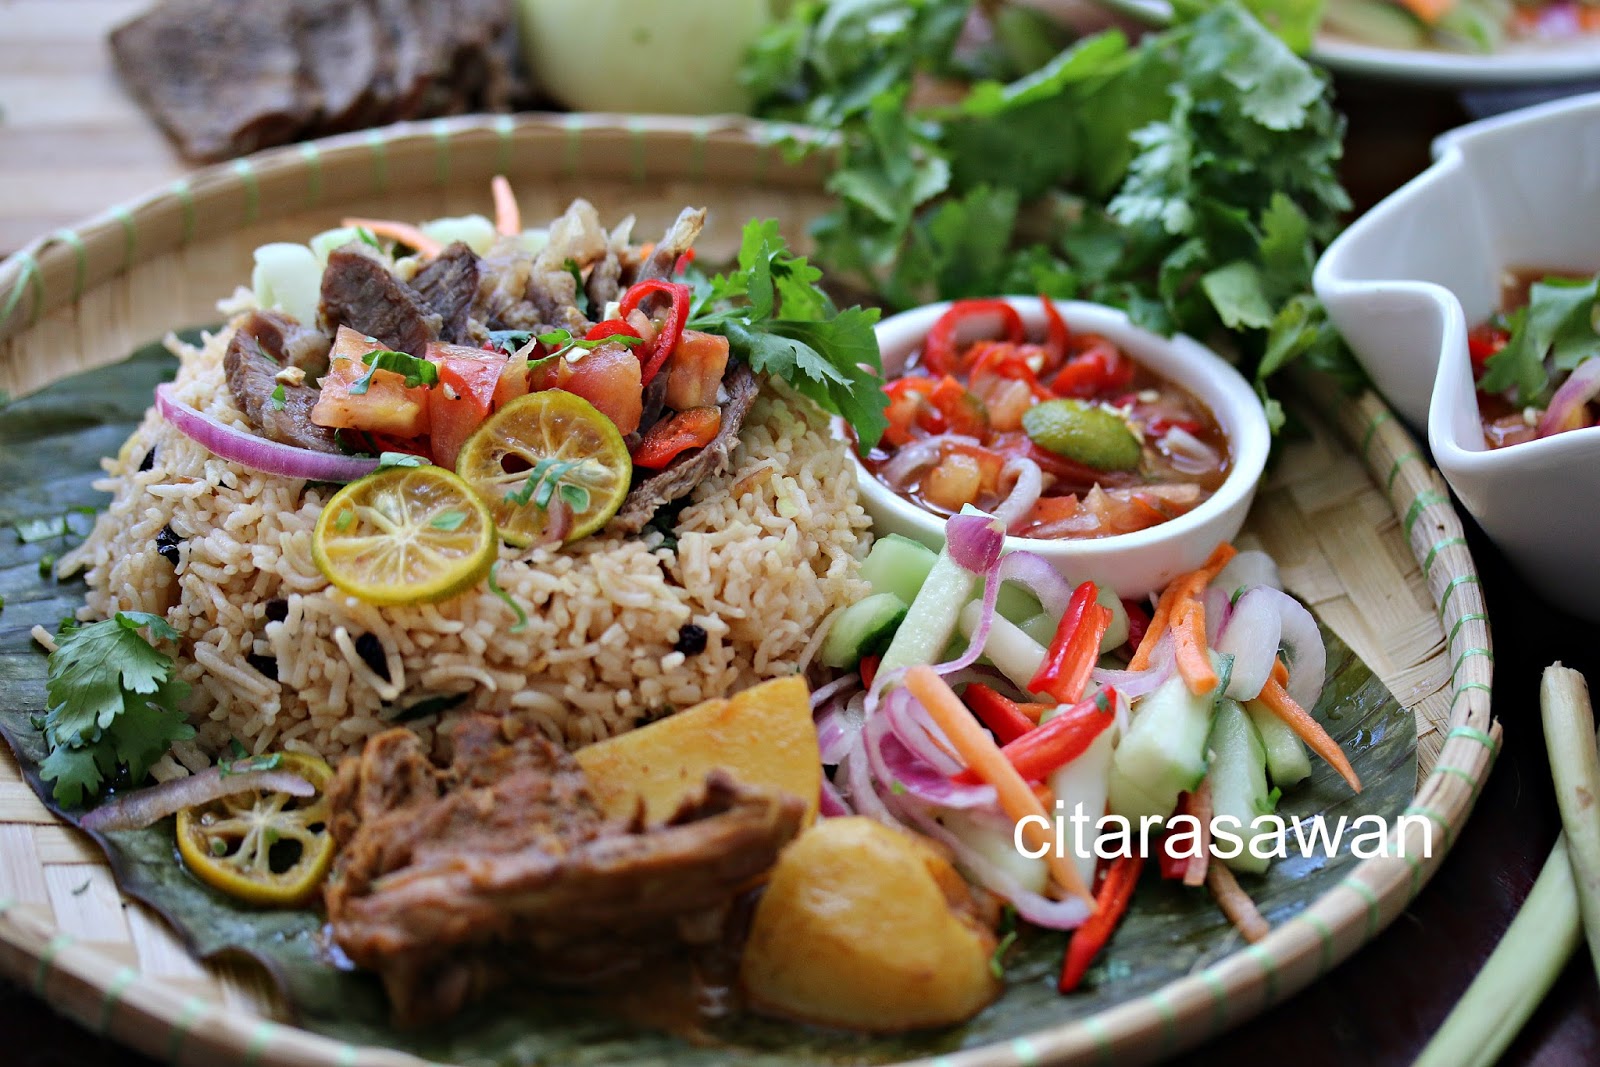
pixel 1559 319
pixel 509 341
pixel 112 699
pixel 1237 291
pixel 448 521
pixel 279 398
pixel 415 371
pixel 400 459
pixel 75 773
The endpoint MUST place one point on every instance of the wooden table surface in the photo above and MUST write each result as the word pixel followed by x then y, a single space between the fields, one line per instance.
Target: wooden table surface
pixel 71 143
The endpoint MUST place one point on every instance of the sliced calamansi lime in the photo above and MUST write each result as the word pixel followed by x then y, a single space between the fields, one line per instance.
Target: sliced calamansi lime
pixel 548 461
pixel 405 535
pixel 1091 434
pixel 265 848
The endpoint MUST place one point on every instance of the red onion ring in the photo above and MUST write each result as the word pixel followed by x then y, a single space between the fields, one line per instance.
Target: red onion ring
pixel 135 811
pixel 1218 609
pixel 832 689
pixel 1134 684
pixel 1304 653
pixel 911 726
pixel 1566 407
pixel 975 542
pixel 1024 491
pixel 1188 453
pixel 1035 574
pixel 918 454
pixel 829 803
pixel 1251 638
pixel 898 770
pixel 258 453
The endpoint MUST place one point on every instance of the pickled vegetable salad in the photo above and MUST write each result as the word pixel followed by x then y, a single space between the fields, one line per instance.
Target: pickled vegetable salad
pixel 1060 696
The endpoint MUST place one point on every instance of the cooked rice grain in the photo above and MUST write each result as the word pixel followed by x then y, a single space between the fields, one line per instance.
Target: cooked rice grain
pixel 758 571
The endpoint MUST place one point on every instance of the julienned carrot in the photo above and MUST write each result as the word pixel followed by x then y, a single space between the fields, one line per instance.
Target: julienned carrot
pixel 1184 587
pixel 1280 703
pixel 1280 673
pixel 507 216
pixel 1158 625
pixel 978 749
pixel 1189 636
pixel 1116 890
pixel 1200 808
pixel 1236 903
pixel 1429 11
pixel 403 232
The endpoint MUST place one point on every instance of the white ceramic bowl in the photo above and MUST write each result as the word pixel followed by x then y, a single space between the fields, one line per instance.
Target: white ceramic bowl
pixel 1132 564
pixel 1405 281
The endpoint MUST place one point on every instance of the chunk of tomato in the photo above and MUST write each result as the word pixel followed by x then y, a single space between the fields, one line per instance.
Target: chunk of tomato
pixel 387 406
pixel 695 370
pixel 468 380
pixel 609 378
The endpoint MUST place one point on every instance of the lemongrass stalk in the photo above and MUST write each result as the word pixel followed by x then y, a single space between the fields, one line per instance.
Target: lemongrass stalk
pixel 1523 967
pixel 1569 736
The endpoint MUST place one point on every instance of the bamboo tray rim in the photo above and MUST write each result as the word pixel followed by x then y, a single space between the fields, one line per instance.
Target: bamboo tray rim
pixel 58 269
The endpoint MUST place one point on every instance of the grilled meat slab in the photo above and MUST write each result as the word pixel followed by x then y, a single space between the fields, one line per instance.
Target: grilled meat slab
pixel 454 877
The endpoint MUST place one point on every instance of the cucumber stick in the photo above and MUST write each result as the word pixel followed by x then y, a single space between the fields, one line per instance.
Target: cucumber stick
pixel 898 565
pixel 1012 651
pixel 1239 783
pixel 863 629
pixel 931 621
pixel 1085 781
pixel 1164 752
pixel 1287 761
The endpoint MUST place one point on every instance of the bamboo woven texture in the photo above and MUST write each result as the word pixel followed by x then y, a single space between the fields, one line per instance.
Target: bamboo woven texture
pixel 1361 525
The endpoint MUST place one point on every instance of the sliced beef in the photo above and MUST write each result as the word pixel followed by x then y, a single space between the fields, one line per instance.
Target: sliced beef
pixel 358 291
pixel 495 862
pixel 292 344
pixel 688 471
pixel 254 360
pixel 221 79
pixel 341 55
pixel 449 286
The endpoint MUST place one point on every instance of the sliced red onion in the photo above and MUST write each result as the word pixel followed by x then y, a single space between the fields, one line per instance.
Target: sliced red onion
pixel 1188 453
pixel 910 723
pixel 975 542
pixel 1251 637
pixel 864 796
pixel 832 689
pixel 980 633
pixel 1135 684
pixel 899 772
pixel 1218 608
pixel 258 453
pixel 1566 407
pixel 911 458
pixel 135 811
pixel 1066 914
pixel 829 803
pixel 838 728
pixel 1248 569
pixel 1024 493
pixel 1035 574
pixel 1303 651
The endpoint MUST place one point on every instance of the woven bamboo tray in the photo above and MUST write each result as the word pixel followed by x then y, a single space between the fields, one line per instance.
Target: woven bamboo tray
pixel 1360 523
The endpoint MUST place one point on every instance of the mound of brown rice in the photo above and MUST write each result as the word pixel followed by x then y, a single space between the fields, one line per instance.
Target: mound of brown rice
pixel 764 554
